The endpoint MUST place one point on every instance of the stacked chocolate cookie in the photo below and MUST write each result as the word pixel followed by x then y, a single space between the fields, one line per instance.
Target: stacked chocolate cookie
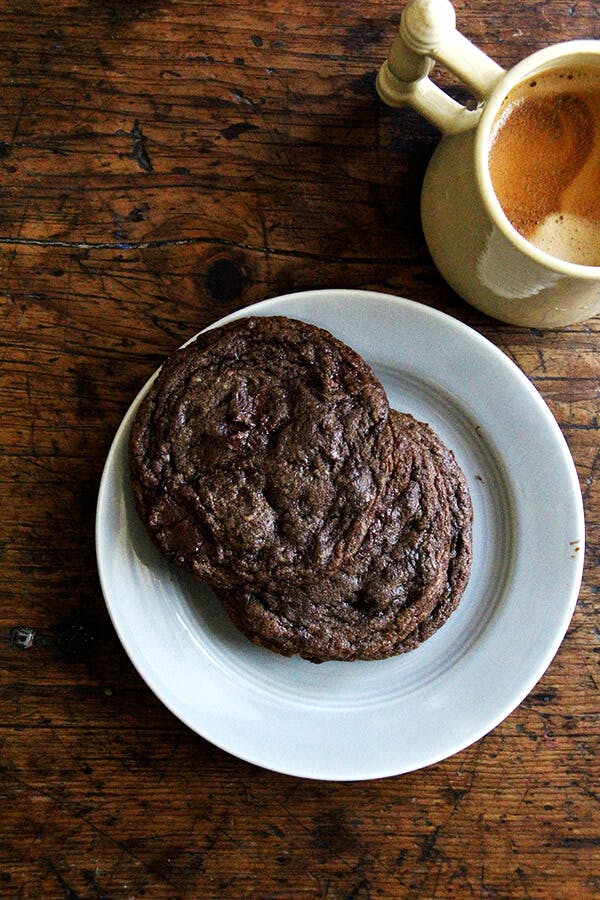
pixel 265 460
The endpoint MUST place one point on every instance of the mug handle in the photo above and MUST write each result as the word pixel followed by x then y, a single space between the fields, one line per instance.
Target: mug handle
pixel 427 34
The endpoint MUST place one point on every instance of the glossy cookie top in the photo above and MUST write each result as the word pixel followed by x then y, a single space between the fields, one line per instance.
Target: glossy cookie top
pixel 407 577
pixel 260 454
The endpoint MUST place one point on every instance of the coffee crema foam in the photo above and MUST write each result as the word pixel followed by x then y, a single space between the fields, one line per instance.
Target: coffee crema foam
pixel 544 162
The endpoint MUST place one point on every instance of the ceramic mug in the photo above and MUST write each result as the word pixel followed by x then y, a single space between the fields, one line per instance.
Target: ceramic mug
pixel 472 242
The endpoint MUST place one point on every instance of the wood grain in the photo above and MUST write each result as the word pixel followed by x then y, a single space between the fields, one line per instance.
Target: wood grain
pixel 162 164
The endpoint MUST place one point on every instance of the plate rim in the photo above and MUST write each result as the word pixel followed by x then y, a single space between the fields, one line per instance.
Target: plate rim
pixel 447 321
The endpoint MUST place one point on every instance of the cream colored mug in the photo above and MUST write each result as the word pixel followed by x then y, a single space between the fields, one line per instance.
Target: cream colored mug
pixel 471 240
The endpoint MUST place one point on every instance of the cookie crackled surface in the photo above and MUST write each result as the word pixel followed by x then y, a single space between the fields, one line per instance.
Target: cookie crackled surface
pixel 260 454
pixel 406 579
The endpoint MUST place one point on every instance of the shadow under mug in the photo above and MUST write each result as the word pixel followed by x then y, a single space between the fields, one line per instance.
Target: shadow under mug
pixel 473 244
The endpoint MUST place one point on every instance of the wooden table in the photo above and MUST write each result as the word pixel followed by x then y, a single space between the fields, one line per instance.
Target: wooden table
pixel 164 163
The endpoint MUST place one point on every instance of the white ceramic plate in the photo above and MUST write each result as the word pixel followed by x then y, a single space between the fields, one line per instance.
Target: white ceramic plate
pixel 350 721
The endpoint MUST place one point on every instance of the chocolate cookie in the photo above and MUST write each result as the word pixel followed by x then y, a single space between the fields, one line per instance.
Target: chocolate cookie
pixel 260 454
pixel 402 584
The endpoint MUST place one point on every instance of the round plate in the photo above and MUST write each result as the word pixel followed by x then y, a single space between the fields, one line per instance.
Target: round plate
pixel 357 720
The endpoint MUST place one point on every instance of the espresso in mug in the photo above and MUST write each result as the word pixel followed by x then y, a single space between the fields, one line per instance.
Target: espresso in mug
pixel 544 162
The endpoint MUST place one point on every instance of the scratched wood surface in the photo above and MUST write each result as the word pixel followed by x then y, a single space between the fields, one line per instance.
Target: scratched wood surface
pixel 164 163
